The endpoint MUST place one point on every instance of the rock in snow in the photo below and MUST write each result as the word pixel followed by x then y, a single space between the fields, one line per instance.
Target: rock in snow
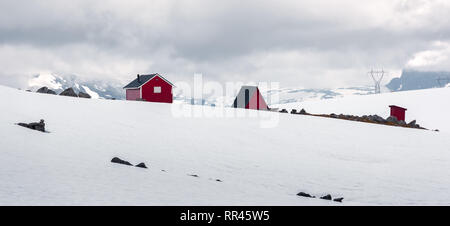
pixel 303 194
pixel 338 199
pixel 68 92
pixel 120 161
pixel 392 119
pixel 303 112
pixel 84 95
pixel 326 197
pixel 412 123
pixel 45 89
pixel 141 165
pixel 39 126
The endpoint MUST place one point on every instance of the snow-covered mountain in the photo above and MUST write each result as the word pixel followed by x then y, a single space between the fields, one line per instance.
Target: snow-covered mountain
pixel 364 163
pixel 410 80
pixel 282 96
pixel 291 95
pixel 95 88
pixel 414 80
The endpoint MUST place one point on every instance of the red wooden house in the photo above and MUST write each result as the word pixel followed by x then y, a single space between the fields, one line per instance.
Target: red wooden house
pixel 398 112
pixel 152 88
pixel 249 97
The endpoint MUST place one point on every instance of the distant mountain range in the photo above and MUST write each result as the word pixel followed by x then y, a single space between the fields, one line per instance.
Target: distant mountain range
pixel 95 88
pixel 409 80
pixel 413 80
pixel 107 90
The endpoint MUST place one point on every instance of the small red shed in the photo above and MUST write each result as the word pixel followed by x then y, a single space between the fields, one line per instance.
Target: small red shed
pixel 398 112
pixel 152 88
pixel 249 97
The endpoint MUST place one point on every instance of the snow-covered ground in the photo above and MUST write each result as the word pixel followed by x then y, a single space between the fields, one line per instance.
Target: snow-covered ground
pixel 366 164
pixel 429 107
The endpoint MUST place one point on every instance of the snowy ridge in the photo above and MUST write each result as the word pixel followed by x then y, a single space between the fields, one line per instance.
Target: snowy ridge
pixel 96 89
pixel 364 163
pixel 283 96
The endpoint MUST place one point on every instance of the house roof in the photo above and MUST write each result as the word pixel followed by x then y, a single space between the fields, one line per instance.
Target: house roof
pixel 395 106
pixel 142 80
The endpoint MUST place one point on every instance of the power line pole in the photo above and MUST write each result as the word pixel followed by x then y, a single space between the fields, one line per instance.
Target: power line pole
pixel 377 77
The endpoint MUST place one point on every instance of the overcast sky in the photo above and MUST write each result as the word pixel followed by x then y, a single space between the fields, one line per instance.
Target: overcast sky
pixel 301 43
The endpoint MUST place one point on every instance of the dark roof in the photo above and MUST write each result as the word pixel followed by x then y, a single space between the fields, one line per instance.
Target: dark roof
pixel 395 106
pixel 142 80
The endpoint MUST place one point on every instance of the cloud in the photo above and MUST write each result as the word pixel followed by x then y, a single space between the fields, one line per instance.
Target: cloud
pixel 437 58
pixel 297 43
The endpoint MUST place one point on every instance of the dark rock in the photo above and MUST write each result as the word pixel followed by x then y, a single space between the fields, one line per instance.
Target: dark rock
pixel 39 126
pixel 45 89
pixel 141 165
pixel 120 161
pixel 303 194
pixel 412 123
pixel 68 92
pixel 392 119
pixel 326 197
pixel 218 180
pixel 283 111
pixel 402 123
pixel 84 95
pixel 332 115
pixel 376 118
pixel 338 199
pixel 193 175
pixel 293 111
pixel 436 130
pixel 303 112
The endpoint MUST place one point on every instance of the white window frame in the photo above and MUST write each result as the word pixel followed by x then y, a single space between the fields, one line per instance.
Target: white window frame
pixel 157 89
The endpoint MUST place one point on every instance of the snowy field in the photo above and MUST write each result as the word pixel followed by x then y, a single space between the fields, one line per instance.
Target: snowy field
pixel 431 107
pixel 366 164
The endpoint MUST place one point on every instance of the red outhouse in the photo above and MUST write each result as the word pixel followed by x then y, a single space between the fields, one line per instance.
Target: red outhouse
pixel 398 112
pixel 152 88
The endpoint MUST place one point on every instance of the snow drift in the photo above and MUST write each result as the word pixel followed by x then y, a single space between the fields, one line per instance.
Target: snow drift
pixel 364 163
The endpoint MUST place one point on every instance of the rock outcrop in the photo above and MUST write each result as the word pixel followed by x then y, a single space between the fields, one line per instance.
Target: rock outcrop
pixel 303 194
pixel 68 92
pixel 45 89
pixel 141 165
pixel 39 126
pixel 326 197
pixel 392 121
pixel 120 161
pixel 84 95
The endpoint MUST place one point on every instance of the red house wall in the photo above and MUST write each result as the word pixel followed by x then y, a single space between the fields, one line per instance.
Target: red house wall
pixel 257 102
pixel 399 113
pixel 133 94
pixel 166 91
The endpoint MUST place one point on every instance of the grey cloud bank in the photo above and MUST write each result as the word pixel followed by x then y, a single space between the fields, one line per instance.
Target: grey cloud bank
pixel 312 44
